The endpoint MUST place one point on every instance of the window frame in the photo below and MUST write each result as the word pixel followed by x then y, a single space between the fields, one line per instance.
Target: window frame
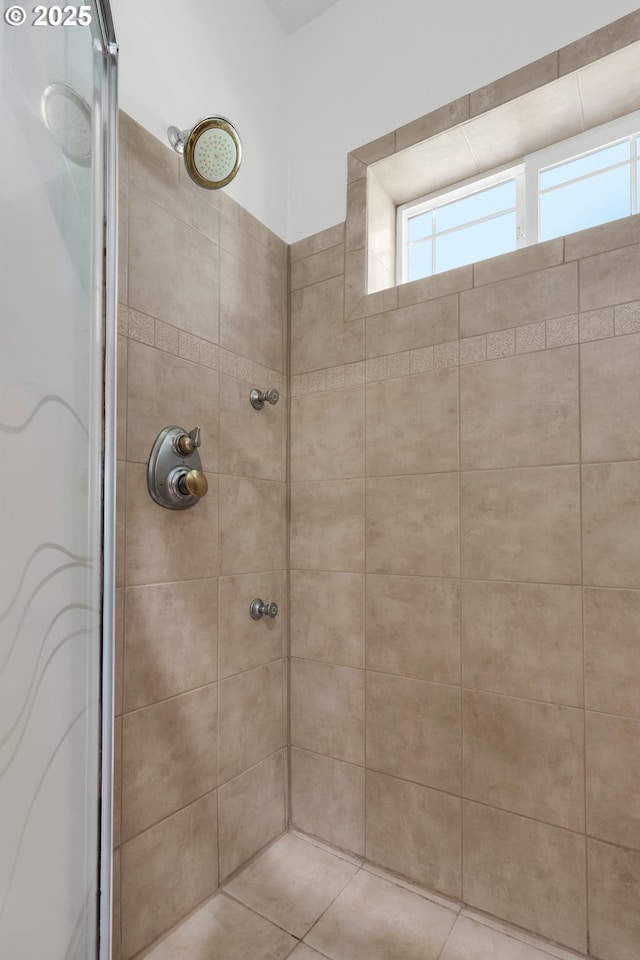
pixel 526 173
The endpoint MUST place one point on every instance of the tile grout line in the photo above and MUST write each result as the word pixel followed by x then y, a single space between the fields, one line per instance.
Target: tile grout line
pixel 364 621
pixel 460 616
pixel 457 796
pixel 443 948
pixel 288 812
pixel 582 611
pixel 218 844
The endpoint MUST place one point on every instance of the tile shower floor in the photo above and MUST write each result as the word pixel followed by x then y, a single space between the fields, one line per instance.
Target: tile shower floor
pixel 300 900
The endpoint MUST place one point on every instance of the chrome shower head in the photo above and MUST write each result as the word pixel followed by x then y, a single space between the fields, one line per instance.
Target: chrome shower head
pixel 67 117
pixel 211 149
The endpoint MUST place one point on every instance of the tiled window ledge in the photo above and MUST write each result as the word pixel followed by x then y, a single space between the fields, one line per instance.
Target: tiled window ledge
pixel 569 91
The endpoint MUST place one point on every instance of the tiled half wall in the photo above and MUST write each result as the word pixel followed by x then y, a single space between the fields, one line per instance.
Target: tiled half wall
pixel 200 703
pixel 465 579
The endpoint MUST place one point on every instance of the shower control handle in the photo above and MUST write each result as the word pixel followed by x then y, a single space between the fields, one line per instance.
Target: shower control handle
pixel 258 397
pixel 188 442
pixel 258 609
pixel 175 478
pixel 194 484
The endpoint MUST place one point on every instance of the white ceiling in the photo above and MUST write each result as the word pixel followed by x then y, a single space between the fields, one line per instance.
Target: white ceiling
pixel 294 14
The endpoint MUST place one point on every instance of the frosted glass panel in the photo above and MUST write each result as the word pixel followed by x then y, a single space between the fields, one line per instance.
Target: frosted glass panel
pixel 51 436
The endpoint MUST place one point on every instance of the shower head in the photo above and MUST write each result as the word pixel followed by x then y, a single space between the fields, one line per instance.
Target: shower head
pixel 211 149
pixel 67 117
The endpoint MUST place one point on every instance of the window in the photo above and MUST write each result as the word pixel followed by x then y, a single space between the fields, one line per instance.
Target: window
pixel 575 184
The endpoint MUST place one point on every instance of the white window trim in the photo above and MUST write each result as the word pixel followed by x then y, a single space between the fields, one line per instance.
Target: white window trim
pixel 526 173
pixel 459 190
pixel 604 135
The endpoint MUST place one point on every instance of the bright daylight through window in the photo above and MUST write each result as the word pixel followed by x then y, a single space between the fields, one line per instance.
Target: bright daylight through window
pixel 572 185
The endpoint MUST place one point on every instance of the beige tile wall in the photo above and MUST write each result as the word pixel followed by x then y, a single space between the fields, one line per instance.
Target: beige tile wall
pixel 464 552
pixel 465 582
pixel 200 768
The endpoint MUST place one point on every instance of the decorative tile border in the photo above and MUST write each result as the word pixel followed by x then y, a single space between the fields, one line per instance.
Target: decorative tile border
pixel 163 336
pixel 601 324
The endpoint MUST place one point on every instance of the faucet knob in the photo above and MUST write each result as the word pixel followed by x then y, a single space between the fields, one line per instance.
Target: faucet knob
pixel 258 609
pixel 194 483
pixel 258 397
pixel 188 442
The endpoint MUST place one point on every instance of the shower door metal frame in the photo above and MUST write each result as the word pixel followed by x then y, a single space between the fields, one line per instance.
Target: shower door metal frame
pixel 104 305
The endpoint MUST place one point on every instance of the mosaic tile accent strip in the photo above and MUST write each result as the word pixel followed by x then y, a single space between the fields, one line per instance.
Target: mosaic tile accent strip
pixel 163 336
pixel 562 331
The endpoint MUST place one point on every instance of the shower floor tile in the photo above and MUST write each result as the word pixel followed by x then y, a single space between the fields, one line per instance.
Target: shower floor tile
pixel 373 919
pixel 299 900
pixel 292 883
pixel 223 929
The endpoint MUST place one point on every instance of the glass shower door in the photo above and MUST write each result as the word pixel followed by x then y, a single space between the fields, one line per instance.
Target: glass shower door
pixel 55 482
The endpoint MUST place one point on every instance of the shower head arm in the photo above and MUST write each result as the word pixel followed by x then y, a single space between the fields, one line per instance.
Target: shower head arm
pixel 178 138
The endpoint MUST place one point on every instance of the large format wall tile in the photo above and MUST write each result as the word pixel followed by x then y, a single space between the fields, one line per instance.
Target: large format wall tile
pixel 522 524
pixel 251 441
pixel 163 661
pixel 613 779
pixel 412 424
pixel 173 270
pixel 250 719
pixel 412 525
pixel 319 335
pixel 520 411
pixel 251 312
pixel 525 757
pixel 327 709
pixel 611 524
pixel 528 873
pixel 414 831
pixel 612 651
pixel 327 525
pixel 523 640
pixel 169 757
pixel 167 545
pixel 327 616
pixel 611 277
pixel 614 894
pixel 610 399
pixel 159 182
pixel 413 627
pixel 520 300
pixel 327 435
pixel 322 265
pixel 251 812
pixel 251 525
pixel 166 391
pixel 167 871
pixel 413 730
pixel 243 642
pixel 411 327
pixel 327 799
